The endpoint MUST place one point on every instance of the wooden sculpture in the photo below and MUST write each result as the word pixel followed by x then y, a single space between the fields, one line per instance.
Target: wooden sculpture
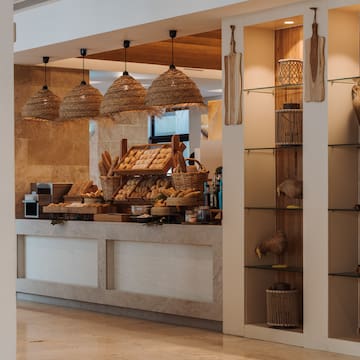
pixel 277 244
pixel 291 188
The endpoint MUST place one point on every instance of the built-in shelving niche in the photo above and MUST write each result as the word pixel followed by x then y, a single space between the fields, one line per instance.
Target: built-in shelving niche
pixel 267 164
pixel 344 160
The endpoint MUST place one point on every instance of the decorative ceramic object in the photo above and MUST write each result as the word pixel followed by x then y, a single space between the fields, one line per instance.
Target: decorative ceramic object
pixel 291 188
pixel 355 94
pixel 277 245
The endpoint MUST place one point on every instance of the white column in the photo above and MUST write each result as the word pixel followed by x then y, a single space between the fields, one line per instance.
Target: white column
pixel 315 176
pixel 7 188
pixel 233 219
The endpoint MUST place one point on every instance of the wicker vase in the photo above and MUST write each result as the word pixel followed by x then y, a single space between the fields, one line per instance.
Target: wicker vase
pixel 355 92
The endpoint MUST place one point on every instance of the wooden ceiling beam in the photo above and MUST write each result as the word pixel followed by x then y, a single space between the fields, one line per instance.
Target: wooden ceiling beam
pixel 195 51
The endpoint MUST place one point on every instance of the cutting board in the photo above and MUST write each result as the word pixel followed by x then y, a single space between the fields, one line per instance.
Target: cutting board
pixel 112 217
pixel 233 84
pixel 314 65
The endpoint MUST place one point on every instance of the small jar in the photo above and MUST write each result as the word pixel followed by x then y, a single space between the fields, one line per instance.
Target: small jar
pixel 203 214
pixel 190 216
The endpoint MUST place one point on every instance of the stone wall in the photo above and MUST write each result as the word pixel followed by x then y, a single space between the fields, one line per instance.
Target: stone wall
pixel 107 135
pixel 47 151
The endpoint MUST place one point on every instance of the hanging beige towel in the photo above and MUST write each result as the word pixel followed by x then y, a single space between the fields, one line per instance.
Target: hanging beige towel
pixel 233 84
pixel 314 65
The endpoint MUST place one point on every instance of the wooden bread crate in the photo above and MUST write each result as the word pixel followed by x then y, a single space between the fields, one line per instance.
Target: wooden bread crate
pixel 83 209
pixel 146 159
pixel 141 189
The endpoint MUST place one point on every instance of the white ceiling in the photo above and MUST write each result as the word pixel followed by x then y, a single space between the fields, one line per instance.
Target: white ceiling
pixel 104 72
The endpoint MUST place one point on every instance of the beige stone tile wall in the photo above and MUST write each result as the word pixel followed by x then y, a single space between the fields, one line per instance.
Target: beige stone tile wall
pixel 107 135
pixel 64 152
pixel 47 151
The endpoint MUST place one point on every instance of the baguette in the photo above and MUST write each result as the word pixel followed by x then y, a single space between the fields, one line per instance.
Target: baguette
pixel 192 194
pixel 112 167
pixel 108 157
pixel 106 162
pixel 102 169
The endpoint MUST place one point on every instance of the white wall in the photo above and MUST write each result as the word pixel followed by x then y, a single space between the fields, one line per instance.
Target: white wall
pixel 7 190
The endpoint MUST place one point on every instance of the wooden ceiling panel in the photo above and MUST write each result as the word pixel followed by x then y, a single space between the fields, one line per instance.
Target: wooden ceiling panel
pixel 194 51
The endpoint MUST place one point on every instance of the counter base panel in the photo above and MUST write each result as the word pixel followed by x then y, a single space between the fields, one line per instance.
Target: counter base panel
pixel 120 311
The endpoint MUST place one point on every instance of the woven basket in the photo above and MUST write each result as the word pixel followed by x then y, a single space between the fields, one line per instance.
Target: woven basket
pixel 282 308
pixel 81 102
pixel 191 180
pixel 109 186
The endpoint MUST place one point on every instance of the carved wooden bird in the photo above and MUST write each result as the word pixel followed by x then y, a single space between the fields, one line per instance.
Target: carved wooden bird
pixel 277 245
pixel 355 94
pixel 292 188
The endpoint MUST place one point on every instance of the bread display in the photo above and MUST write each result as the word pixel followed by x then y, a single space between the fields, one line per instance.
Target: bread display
pixel 163 157
pixel 125 192
pixel 93 194
pixel 146 159
pixel 130 159
pixel 107 164
pixel 79 188
pixel 144 188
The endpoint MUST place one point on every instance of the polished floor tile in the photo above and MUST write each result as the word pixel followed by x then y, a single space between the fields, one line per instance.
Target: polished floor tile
pixel 53 333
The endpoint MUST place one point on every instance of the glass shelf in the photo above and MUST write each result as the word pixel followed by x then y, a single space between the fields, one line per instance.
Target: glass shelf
pixel 277 148
pixel 351 274
pixel 271 89
pixel 344 209
pixel 294 269
pixel 345 80
pixel 345 146
pixel 272 208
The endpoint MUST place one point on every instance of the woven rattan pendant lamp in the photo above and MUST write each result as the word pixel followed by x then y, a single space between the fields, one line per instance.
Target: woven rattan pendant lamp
pixel 173 89
pixel 83 101
pixel 44 105
pixel 125 94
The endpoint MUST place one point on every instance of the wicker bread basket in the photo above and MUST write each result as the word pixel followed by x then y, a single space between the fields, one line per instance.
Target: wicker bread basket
pixel 109 185
pixel 191 180
pixel 282 308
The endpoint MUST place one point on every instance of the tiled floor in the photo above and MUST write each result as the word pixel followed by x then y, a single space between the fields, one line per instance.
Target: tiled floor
pixel 53 333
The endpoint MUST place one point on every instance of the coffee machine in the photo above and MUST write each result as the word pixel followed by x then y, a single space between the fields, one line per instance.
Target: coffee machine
pixel 42 194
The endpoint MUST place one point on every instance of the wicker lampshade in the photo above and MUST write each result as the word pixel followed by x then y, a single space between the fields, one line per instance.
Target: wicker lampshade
pixel 125 94
pixel 290 71
pixel 83 101
pixel 43 105
pixel 173 89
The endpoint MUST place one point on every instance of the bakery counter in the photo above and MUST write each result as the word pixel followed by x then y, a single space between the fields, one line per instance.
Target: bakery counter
pixel 167 269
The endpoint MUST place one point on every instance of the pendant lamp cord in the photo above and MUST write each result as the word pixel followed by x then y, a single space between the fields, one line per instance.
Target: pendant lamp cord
pixel 45 61
pixel 172 35
pixel 83 54
pixel 126 45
